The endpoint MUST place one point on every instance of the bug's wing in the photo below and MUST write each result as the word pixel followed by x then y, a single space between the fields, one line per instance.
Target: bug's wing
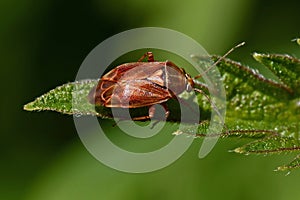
pixel 133 71
pixel 134 94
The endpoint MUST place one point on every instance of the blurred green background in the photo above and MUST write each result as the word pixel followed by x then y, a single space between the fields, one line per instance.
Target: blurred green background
pixel 42 46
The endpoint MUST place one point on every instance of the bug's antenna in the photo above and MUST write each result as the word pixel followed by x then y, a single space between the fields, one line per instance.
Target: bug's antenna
pixel 205 95
pixel 220 59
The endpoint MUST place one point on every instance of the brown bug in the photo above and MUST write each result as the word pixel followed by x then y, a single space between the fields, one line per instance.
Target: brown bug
pixel 144 84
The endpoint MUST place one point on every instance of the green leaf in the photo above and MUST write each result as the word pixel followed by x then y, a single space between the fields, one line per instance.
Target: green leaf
pixel 285 67
pixel 71 98
pixel 258 107
pixel 263 109
pixel 294 164
pixel 241 79
pixel 61 100
pixel 268 145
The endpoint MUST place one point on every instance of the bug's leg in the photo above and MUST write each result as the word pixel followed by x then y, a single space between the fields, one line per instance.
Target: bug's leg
pixel 152 113
pixel 167 112
pixel 187 105
pixel 214 107
pixel 152 110
pixel 149 55
pixel 141 118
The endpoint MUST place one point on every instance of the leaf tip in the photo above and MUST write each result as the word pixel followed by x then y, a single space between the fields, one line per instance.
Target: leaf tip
pixel 238 150
pixel 29 106
pixel 257 56
pixel 297 40
pixel 281 168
